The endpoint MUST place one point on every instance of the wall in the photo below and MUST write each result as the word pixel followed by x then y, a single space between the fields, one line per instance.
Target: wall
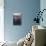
pixel 43 6
pixel 1 21
pixel 28 9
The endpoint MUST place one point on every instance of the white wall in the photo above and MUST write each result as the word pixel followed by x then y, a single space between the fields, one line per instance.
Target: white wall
pixel 1 3
pixel 1 21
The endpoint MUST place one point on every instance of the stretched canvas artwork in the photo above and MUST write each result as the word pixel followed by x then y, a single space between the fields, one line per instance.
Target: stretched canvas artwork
pixel 16 20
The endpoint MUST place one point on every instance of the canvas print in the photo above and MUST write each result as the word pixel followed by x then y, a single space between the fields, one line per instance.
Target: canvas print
pixel 16 20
